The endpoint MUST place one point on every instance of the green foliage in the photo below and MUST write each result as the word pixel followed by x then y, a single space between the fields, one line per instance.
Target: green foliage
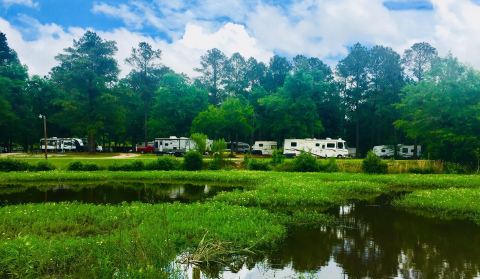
pixel 277 157
pixel 305 162
pixel 260 165
pixel 135 165
pixel 193 161
pixel 373 164
pixel 7 165
pixel 200 142
pixel 44 166
pixel 79 166
pixel 165 163
pixel 329 166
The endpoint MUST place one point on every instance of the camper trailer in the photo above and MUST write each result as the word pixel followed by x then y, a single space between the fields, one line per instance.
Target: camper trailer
pixel 403 151
pixel 238 147
pixel 326 148
pixel 52 144
pixel 264 147
pixel 173 145
pixel 55 144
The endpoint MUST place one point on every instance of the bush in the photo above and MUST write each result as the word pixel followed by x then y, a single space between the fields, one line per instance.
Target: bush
pixel 419 170
pixel 217 162
pixel 305 162
pixel 373 164
pixel 329 166
pixel 133 166
pixel 44 166
pixel 277 157
pixel 454 168
pixel 200 142
pixel 192 161
pixel 165 163
pixel 13 165
pixel 79 166
pixel 285 166
pixel 253 164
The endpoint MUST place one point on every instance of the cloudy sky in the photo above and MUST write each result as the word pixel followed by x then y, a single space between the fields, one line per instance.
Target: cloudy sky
pixel 184 30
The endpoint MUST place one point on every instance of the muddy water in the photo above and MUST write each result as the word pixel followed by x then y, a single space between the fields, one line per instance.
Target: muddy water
pixel 108 193
pixel 373 242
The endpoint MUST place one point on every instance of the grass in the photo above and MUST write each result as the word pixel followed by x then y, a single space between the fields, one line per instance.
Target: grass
pixel 143 240
pixel 452 203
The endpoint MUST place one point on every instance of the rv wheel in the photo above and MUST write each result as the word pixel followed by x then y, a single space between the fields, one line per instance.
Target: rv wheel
pixel 339 156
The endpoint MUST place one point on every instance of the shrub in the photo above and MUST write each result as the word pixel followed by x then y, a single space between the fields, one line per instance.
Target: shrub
pixel 79 166
pixel 91 167
pixel 13 165
pixel 277 157
pixel 75 166
pixel 216 163
pixel 165 163
pixel 329 166
pixel 258 165
pixel 373 164
pixel 44 166
pixel 305 162
pixel 454 168
pixel 133 166
pixel 419 170
pixel 285 166
pixel 192 161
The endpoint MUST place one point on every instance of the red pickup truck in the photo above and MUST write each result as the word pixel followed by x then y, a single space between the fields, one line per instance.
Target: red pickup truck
pixel 145 149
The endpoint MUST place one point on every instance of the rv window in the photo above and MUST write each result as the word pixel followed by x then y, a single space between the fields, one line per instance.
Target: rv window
pixel 323 146
pixel 411 150
pixel 317 144
pixel 383 150
pixel 405 150
pixel 166 144
pixel 260 145
pixel 340 145
pixel 330 145
pixel 293 144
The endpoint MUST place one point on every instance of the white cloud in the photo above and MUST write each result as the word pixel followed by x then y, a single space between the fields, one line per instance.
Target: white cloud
pixel 122 12
pixel 27 3
pixel 182 55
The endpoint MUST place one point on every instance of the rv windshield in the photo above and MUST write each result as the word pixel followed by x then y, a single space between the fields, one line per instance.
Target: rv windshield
pixel 340 145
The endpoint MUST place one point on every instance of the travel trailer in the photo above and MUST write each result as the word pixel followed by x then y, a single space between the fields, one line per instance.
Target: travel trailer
pixel 62 144
pixel 173 145
pixel 264 147
pixel 326 148
pixel 403 151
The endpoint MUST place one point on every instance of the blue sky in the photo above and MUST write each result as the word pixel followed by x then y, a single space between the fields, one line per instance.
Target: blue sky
pixel 183 30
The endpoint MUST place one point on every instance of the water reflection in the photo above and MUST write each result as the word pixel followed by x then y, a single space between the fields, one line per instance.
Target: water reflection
pixel 374 242
pixel 108 193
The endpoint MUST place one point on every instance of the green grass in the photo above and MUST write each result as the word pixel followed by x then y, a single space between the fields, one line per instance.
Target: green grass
pixel 452 203
pixel 142 240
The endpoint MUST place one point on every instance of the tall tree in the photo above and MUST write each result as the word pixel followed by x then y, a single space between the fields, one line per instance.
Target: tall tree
pixel 236 76
pixel 86 73
pixel 418 59
pixel 353 70
pixel 443 110
pixel 145 77
pixel 213 67
pixel 277 72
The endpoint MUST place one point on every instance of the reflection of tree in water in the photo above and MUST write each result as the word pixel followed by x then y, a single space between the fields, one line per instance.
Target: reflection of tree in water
pixel 384 243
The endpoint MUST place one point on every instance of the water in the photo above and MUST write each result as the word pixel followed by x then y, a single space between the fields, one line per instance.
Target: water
pixel 373 242
pixel 108 193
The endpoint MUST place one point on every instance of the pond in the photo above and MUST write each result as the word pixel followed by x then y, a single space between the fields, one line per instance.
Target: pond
pixel 114 193
pixel 373 241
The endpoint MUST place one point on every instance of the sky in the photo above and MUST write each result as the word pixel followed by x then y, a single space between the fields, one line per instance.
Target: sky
pixel 184 30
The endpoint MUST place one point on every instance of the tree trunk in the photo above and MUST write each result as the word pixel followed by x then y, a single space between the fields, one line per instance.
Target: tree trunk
pixel 357 137
pixel 92 141
pixel 145 128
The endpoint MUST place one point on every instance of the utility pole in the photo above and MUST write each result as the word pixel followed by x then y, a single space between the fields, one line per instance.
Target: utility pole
pixel 44 133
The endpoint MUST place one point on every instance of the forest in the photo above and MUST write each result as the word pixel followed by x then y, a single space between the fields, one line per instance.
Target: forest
pixel 373 96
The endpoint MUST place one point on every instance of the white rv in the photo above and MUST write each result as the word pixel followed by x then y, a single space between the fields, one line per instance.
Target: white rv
pixel 403 151
pixel 173 145
pixel 264 147
pixel 384 151
pixel 326 148
pixel 62 144
pixel 52 144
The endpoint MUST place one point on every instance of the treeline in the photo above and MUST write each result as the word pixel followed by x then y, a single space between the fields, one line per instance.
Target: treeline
pixel 373 96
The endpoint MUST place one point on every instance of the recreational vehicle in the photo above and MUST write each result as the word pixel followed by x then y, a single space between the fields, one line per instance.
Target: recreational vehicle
pixel 62 144
pixel 173 145
pixel 403 151
pixel 326 148
pixel 264 147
